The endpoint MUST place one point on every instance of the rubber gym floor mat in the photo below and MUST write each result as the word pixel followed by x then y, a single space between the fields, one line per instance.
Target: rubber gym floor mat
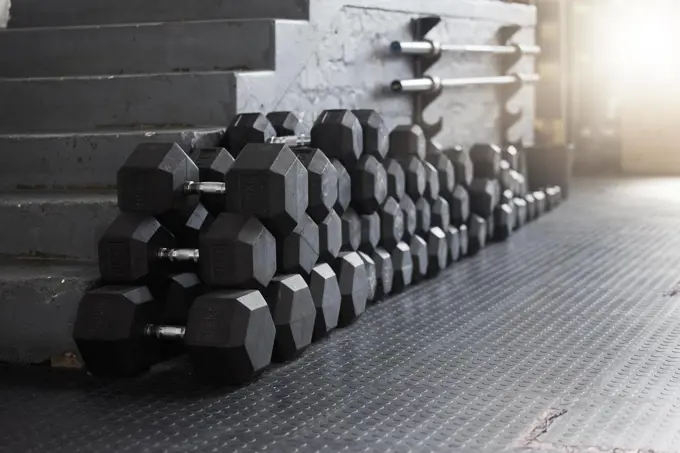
pixel 565 338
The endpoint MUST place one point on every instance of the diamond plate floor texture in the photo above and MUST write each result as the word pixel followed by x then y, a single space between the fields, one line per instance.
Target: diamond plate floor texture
pixel 566 338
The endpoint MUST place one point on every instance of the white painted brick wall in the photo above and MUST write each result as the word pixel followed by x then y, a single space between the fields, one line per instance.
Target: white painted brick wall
pixel 4 13
pixel 340 60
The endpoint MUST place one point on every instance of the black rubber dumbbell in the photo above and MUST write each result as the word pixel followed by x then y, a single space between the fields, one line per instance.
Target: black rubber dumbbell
pixel 229 334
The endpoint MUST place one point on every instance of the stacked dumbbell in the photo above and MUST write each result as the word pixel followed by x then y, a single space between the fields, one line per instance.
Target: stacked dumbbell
pixel 337 137
pixel 427 217
pixel 266 184
pixel 246 256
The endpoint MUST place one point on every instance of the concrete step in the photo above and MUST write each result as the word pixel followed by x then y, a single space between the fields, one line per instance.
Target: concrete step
pixel 38 304
pixel 215 45
pixel 101 103
pixel 42 13
pixel 55 224
pixel 87 160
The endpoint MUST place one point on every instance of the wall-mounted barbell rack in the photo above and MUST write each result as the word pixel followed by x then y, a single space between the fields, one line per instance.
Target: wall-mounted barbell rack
pixel 426 89
pixel 436 84
pixel 436 48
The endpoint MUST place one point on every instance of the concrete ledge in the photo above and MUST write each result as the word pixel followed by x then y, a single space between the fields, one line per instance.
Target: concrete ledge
pixel 38 304
pixel 53 224
pixel 41 13
pixel 218 45
pixel 88 160
pixel 85 104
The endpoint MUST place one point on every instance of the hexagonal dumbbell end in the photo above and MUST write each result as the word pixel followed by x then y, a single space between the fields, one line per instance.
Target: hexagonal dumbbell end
pixel 213 165
pixel 402 263
pixel 464 240
pixel 486 159
pixel 420 257
pixel 423 216
pixel 396 179
pixel 188 223
pixel 477 234
pixel 506 197
pixel 354 286
pixel 299 251
pixel 462 164
pixel 286 124
pixel 459 206
pixel 323 182
pixel 330 237
pixel 445 171
pixel 109 327
pixel 531 207
pixel 437 251
pixel 344 188
pixel 369 185
pixel 325 290
pixel 453 243
pixel 541 202
pixel 416 176
pixel 294 314
pixel 407 140
pixel 370 232
pixel 127 247
pixel 505 178
pixel 269 182
pixel 180 292
pixel 339 135
pixel 431 181
pixel 237 251
pixel 384 272
pixel 247 128
pixel 408 208
pixel 351 231
pixel 441 213
pixel 482 194
pixel 151 181
pixel 519 183
pixel 504 222
pixel 520 212
pixel 391 223
pixel 372 276
pixel 551 196
pixel 490 228
pixel 511 155
pixel 376 135
pixel 230 336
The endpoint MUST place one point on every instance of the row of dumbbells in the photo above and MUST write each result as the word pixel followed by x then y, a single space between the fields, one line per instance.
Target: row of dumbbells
pixel 231 335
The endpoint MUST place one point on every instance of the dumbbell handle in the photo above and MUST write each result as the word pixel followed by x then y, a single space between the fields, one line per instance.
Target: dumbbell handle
pixel 165 332
pixel 180 255
pixel 291 140
pixel 203 188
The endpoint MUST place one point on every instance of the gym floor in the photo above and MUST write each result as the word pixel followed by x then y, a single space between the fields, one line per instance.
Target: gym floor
pixel 565 338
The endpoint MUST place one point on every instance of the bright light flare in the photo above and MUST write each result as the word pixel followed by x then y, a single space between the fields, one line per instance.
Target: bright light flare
pixel 637 42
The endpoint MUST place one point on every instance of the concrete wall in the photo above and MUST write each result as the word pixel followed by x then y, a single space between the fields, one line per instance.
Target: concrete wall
pixel 4 12
pixel 341 61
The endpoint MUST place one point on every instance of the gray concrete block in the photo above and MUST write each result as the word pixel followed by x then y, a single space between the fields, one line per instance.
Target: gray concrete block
pixel 42 13
pixel 38 305
pixel 216 45
pixel 85 104
pixel 54 224
pixel 87 161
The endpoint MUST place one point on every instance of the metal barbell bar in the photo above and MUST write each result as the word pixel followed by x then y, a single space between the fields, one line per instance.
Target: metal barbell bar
pixel 436 48
pixel 434 84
